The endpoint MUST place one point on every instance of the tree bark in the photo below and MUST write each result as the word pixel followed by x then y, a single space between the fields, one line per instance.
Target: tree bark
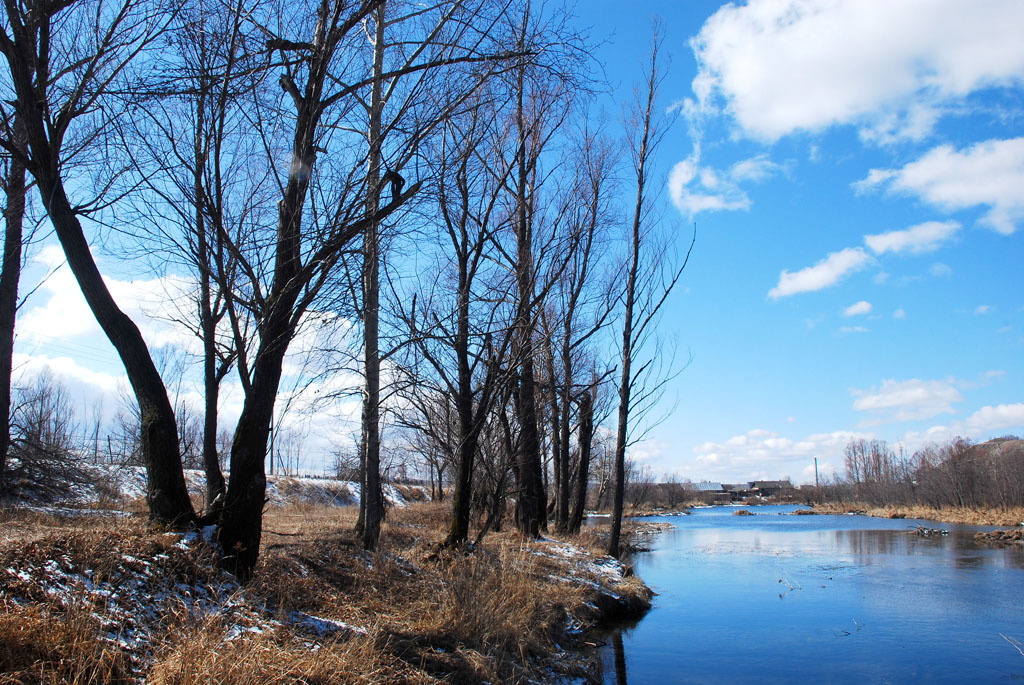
pixel 208 327
pixel 14 215
pixel 586 439
pixel 28 58
pixel 529 497
pixel 166 493
pixel 372 494
pixel 641 153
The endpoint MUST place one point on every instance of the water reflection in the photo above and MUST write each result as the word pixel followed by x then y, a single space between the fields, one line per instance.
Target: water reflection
pixel 864 600
pixel 620 658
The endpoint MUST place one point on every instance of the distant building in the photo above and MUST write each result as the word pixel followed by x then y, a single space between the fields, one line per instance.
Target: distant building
pixel 772 488
pixel 709 491
pixel 736 491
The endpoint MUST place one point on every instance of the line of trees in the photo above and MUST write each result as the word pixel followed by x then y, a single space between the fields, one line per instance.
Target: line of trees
pixel 957 473
pixel 426 173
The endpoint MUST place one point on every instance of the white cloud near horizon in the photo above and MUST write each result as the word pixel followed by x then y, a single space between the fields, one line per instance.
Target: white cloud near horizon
pixel 919 239
pixel 823 274
pixel 891 69
pixel 985 422
pixel 908 400
pixel 858 309
pixel 764 454
pixel 987 174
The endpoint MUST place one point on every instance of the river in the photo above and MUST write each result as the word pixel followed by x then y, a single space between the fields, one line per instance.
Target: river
pixel 825 599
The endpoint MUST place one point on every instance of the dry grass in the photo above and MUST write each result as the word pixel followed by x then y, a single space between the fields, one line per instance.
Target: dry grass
pixel 418 613
pixel 37 646
pixel 1011 516
pixel 210 656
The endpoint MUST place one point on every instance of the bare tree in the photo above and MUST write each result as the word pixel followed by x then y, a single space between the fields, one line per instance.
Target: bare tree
pixel 61 59
pixel 585 442
pixel 14 216
pixel 463 334
pixel 43 440
pixel 192 121
pixel 541 102
pixel 645 291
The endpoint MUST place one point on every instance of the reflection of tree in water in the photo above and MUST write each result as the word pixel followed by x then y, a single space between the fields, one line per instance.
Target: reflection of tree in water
pixel 867 544
pixel 620 659
pixel 959 546
pixel 612 663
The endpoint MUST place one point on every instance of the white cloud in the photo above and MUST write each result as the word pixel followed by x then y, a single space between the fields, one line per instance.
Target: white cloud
pixel 765 454
pixel 982 424
pixel 695 188
pixel 846 330
pixel 899 314
pixel 825 273
pixel 58 309
pixel 988 174
pixel 908 400
pixel 996 418
pixel 940 270
pixel 982 309
pixel 67 370
pixel 926 237
pixel 890 68
pixel 857 309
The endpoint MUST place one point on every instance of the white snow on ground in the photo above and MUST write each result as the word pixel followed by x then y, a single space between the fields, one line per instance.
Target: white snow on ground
pixel 129 483
pixel 609 569
pixel 322 627
pixel 132 601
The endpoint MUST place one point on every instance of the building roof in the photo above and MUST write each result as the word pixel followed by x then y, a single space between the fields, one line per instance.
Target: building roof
pixel 762 484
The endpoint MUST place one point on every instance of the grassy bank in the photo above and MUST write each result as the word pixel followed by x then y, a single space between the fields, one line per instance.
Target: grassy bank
pixel 1012 516
pixel 91 600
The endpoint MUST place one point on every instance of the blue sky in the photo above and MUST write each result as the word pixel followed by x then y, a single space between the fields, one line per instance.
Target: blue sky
pixel 856 173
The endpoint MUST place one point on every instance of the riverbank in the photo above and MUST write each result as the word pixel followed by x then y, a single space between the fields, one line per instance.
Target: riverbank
pixel 98 599
pixel 1012 516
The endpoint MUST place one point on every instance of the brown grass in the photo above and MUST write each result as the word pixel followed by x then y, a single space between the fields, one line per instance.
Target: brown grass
pixel 37 646
pixel 497 613
pixel 984 516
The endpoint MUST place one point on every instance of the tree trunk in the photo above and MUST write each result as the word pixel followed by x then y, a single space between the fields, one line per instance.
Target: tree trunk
pixel 465 454
pixel 208 326
pixel 14 215
pixel 166 493
pixel 641 152
pixel 558 455
pixel 372 494
pixel 241 523
pixel 529 504
pixel 563 437
pixel 462 495
pixel 586 438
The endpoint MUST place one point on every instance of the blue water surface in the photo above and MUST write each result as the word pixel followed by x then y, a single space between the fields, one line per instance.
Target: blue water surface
pixel 822 599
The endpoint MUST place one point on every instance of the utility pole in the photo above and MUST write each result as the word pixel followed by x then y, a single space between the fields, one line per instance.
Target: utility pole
pixel 816 473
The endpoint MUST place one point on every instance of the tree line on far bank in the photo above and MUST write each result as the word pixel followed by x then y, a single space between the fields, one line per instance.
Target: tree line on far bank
pixel 957 473
pixel 429 177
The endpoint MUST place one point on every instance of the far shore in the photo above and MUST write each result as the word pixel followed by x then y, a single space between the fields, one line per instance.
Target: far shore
pixel 976 516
